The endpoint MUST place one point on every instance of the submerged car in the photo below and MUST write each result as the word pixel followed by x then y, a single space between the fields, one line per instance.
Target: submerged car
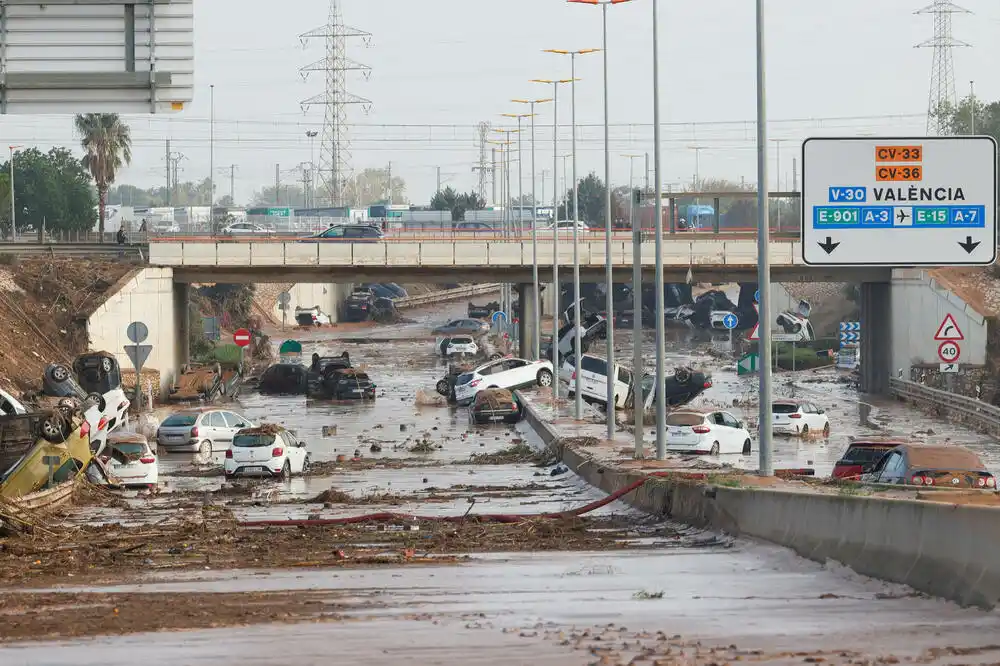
pixel 348 384
pixel 462 327
pixel 201 430
pixel 711 433
pixel 267 450
pixel 130 460
pixel 945 466
pixel 320 367
pixel 313 316
pixel 284 378
pixel 459 345
pixel 507 373
pixel 446 386
pixel 359 306
pixel 862 455
pixel 483 311
pixel 495 406
pixel 798 417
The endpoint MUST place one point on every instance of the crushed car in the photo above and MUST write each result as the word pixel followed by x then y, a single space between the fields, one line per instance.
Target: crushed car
pixel 495 406
pixel 130 460
pixel 446 385
pixel 320 367
pixel 484 311
pixel 206 382
pixel 347 384
pixel 313 316
pixel 284 379
pixel 61 453
pixel 681 387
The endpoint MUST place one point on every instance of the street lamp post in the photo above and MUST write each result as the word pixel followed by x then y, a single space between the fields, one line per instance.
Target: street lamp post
pixel 578 342
pixel 534 231
pixel 211 155
pixel 638 400
pixel 661 344
pixel 555 236
pixel 608 273
pixel 311 135
pixel 972 106
pixel 763 258
pixel 505 295
pixel 13 220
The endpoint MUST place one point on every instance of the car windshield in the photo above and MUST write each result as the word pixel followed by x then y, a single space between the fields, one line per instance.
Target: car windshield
pixel 253 441
pixel 683 419
pixel 865 454
pixel 784 408
pixel 463 379
pixel 180 420
pixel 461 341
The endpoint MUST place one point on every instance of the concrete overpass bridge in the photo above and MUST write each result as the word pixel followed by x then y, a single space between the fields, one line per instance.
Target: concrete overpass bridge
pixel 708 257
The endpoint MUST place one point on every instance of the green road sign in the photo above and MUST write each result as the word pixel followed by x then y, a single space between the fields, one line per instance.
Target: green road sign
pixel 748 364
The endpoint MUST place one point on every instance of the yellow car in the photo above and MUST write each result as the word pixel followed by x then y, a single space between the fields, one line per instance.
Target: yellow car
pixel 48 464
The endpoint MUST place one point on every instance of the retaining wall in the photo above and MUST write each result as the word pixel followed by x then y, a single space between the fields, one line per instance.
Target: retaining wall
pixel 941 549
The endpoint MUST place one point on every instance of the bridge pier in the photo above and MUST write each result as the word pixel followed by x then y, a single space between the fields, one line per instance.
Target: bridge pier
pixel 182 319
pixel 526 320
pixel 876 337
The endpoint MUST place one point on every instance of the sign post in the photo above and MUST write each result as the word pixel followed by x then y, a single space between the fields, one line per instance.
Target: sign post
pixel 137 332
pixel 928 201
pixel 284 298
pixel 241 338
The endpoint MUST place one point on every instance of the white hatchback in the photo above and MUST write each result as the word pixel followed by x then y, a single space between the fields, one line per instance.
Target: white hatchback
pixel 461 345
pixel 266 451
pixel 793 417
pixel 713 433
pixel 506 373
pixel 130 460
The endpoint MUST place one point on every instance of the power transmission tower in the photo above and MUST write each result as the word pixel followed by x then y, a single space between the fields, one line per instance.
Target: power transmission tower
pixel 335 153
pixel 942 91
pixel 484 167
pixel 173 162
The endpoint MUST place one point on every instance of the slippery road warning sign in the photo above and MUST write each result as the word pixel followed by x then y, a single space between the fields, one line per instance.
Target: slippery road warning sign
pixel 949 330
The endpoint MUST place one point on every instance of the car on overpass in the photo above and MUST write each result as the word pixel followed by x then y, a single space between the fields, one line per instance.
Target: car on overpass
pixel 349 233
pixel 246 229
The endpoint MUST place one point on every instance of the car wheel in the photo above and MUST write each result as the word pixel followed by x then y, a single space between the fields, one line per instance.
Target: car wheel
pixel 53 428
pixel 60 373
pixel 286 470
pixel 98 400
pixel 106 364
pixel 746 448
pixel 442 387
pixel 715 449
pixel 544 378
pixel 826 429
pixel 805 430
pixel 492 387
pixel 205 449
pixel 496 357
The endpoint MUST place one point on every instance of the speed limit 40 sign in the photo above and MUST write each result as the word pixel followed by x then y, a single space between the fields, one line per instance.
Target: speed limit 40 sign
pixel 949 351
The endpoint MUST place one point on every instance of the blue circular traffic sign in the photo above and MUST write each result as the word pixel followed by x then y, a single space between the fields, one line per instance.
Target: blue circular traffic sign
pixel 730 321
pixel 498 315
pixel 756 296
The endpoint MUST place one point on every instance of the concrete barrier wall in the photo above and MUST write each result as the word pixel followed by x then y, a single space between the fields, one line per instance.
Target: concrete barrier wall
pixel 147 297
pixel 951 551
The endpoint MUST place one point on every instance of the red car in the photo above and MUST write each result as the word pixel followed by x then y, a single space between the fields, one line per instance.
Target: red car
pixel 862 455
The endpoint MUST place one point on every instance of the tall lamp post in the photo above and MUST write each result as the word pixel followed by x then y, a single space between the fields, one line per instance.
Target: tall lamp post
pixel 608 273
pixel 661 342
pixel 555 235
pixel 534 231
pixel 763 258
pixel 505 145
pixel 13 226
pixel 311 135
pixel 638 400
pixel 578 389
pixel 211 157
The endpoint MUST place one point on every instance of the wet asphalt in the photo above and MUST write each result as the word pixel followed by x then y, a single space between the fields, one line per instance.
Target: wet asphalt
pixel 506 609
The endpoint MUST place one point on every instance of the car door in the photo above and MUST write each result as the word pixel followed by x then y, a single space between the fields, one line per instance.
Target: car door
pixel 219 430
pixel 517 373
pixel 734 434
pixel 353 234
pixel 333 233
pixel 622 385
pixel 595 377
pixel 296 452
pixel 817 419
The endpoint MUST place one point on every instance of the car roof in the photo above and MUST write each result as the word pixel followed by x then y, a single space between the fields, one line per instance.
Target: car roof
pixel 786 401
pixel 941 456
pixel 694 412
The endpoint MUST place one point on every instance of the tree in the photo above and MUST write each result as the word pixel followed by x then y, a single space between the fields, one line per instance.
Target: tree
pixel 182 194
pixel 957 120
pixel 371 186
pixel 107 142
pixel 289 196
pixel 591 192
pixel 458 204
pixel 51 189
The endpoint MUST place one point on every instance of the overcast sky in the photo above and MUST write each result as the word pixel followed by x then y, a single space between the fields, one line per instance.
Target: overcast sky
pixel 846 67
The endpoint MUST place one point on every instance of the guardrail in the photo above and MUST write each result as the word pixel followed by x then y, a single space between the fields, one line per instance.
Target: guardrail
pixel 446 295
pixel 104 250
pixel 951 405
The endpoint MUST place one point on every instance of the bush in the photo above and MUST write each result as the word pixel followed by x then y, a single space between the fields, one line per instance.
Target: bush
pixel 805 359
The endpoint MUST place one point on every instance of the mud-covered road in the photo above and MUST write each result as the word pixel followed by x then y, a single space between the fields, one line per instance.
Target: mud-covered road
pixel 173 579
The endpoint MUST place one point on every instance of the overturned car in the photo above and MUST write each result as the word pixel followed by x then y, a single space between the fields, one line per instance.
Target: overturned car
pixel 680 388
pixel 206 383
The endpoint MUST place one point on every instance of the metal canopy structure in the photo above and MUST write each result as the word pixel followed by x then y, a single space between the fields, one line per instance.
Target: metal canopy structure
pixel 96 56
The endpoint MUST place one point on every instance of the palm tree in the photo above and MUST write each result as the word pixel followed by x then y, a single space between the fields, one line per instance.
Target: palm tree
pixel 107 141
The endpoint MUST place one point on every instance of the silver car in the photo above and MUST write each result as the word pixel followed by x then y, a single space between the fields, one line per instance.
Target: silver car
pixel 200 430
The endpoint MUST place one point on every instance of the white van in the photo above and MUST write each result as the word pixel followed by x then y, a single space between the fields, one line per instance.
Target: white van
pixel 594 379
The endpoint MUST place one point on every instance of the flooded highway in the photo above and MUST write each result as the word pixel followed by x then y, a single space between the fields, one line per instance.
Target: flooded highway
pixel 615 587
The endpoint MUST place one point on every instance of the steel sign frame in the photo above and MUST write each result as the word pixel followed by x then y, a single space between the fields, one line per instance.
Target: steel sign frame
pixel 879 239
pixel 96 56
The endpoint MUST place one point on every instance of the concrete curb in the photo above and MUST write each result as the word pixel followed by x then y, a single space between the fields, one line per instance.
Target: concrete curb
pixel 946 550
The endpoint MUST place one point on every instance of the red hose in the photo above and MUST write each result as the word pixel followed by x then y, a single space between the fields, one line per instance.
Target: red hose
pixel 481 518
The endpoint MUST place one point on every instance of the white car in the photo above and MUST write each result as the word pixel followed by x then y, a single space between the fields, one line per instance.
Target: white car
pixel 594 379
pixel 266 451
pixel 316 317
pixel 11 406
pixel 796 417
pixel 245 228
pixel 714 433
pixel 200 430
pixel 506 373
pixel 130 461
pixel 461 344
pixel 566 227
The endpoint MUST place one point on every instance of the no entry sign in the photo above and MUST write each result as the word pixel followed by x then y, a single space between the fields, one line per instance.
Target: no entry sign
pixel 241 337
